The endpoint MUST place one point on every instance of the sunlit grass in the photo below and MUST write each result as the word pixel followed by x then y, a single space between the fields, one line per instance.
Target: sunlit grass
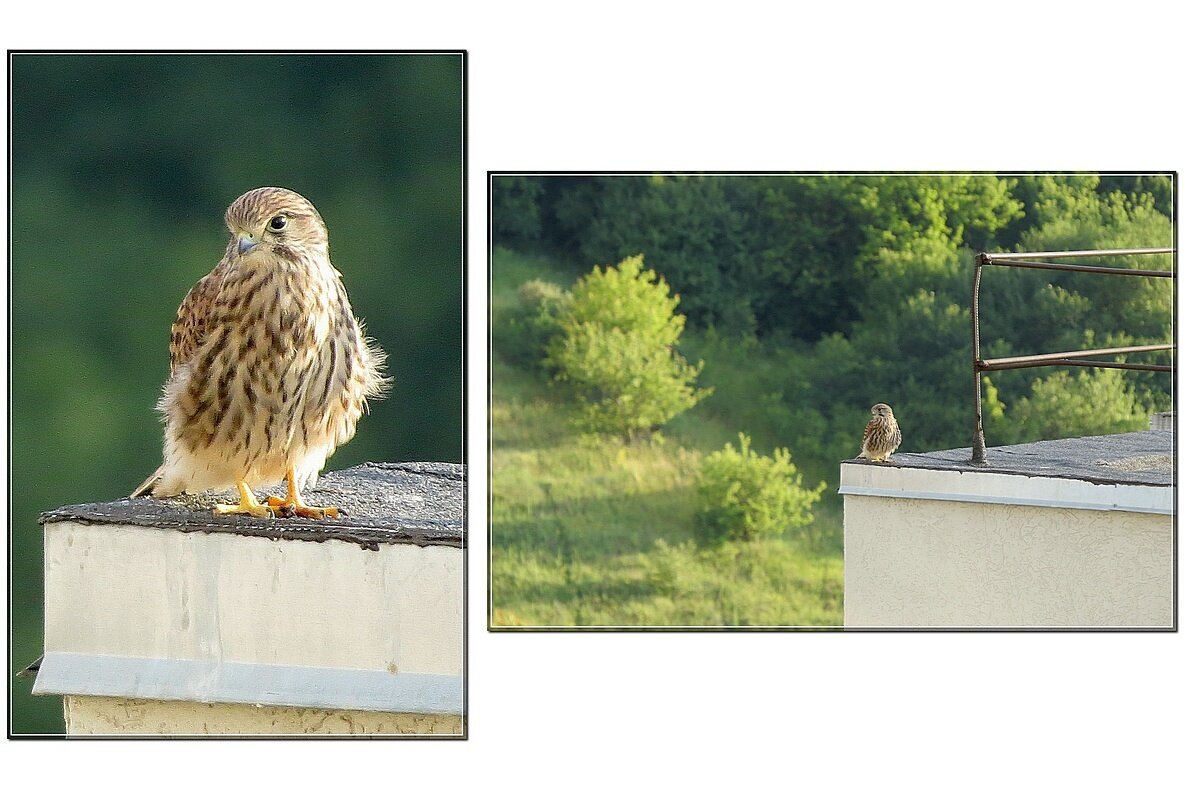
pixel 599 531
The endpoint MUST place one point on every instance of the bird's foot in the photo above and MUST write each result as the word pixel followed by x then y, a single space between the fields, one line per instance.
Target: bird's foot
pixel 249 505
pixel 254 509
pixel 293 506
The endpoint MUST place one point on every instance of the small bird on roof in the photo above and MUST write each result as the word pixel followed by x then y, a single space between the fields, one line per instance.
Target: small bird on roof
pixel 270 371
pixel 881 437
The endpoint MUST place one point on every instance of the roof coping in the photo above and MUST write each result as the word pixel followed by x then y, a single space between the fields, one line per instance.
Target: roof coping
pixel 1144 458
pixel 399 503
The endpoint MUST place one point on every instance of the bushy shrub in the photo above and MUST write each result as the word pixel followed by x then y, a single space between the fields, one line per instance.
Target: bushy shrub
pixel 1066 404
pixel 746 496
pixel 615 346
pixel 523 334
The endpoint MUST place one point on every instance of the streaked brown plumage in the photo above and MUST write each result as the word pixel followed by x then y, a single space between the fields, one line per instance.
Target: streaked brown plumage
pixel 270 371
pixel 881 437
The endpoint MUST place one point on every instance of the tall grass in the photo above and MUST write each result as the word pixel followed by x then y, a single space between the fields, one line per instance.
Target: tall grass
pixel 598 531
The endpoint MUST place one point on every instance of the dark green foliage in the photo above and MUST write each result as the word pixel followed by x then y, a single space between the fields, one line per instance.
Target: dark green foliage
pixel 745 496
pixel 875 272
pixel 1158 187
pixel 684 226
pixel 1040 312
pixel 615 348
pixel 762 254
pixel 523 334
pixel 516 214
pixel 748 254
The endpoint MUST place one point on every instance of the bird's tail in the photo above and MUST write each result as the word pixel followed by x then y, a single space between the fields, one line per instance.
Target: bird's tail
pixel 148 485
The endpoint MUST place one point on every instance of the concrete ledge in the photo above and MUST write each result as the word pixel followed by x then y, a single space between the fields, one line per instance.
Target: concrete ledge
pixel 1073 533
pixel 253 684
pixel 975 486
pixel 162 600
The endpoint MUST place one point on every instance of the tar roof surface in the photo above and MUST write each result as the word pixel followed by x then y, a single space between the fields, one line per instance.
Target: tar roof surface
pixel 1144 457
pixel 413 503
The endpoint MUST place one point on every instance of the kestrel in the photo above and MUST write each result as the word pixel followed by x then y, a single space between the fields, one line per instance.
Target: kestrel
pixel 270 371
pixel 881 437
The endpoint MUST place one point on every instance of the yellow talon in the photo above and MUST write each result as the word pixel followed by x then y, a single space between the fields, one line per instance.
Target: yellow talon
pixel 294 504
pixel 248 505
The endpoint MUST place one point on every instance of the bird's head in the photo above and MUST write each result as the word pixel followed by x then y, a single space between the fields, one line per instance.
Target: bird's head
pixel 274 220
pixel 881 410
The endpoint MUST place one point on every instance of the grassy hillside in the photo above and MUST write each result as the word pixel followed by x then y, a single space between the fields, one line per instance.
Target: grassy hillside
pixel 590 530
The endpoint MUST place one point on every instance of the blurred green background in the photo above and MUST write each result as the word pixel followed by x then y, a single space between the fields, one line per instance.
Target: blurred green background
pixel 122 167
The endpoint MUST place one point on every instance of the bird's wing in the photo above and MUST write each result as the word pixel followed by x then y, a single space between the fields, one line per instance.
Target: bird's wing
pixel 147 486
pixel 866 436
pixel 192 320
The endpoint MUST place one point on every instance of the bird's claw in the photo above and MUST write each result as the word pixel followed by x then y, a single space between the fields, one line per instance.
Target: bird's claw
pixel 293 507
pixel 317 512
pixel 260 511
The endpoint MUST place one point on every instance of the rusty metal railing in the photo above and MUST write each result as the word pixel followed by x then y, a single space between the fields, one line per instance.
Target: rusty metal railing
pixel 1074 358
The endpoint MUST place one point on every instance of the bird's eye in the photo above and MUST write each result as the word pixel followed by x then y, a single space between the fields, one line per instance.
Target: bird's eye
pixel 278 223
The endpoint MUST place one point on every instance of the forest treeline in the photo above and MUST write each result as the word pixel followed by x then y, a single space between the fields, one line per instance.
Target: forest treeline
pixel 840 291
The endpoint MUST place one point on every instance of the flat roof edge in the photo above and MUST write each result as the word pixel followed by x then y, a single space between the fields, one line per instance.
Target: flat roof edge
pixel 419 503
pixel 860 479
pixel 90 674
pixel 366 536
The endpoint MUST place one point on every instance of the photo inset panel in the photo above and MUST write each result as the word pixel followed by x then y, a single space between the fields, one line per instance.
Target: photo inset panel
pixel 849 401
pixel 220 263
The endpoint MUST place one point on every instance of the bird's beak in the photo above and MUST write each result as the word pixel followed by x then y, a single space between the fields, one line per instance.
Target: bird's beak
pixel 246 243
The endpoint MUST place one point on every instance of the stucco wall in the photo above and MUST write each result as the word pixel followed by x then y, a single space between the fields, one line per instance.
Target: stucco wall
pixel 133 591
pixel 937 563
pixel 117 716
pixel 191 616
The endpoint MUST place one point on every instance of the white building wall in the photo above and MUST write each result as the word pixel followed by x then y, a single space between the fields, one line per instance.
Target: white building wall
pixel 195 632
pixel 914 562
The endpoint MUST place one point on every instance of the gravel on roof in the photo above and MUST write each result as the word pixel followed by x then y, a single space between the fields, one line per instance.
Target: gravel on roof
pixel 410 503
pixel 1143 457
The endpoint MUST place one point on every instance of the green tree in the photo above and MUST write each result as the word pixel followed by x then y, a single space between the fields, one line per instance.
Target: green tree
pixel 616 349
pixel 1038 312
pixel 1140 307
pixel 746 496
pixel 687 226
pixel 1065 404
pixel 516 212
pixel 958 210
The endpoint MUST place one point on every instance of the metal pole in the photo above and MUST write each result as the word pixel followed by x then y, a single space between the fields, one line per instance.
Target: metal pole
pixel 978 366
pixel 978 446
pixel 1144 273
pixel 1010 361
pixel 1128 251
pixel 1078 362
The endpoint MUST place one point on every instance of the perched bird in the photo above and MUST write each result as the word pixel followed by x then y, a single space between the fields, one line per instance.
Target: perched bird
pixel 881 437
pixel 270 371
